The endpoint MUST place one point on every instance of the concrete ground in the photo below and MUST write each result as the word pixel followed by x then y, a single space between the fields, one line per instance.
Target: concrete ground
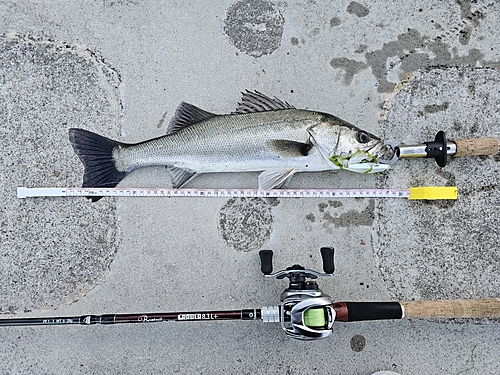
pixel 402 70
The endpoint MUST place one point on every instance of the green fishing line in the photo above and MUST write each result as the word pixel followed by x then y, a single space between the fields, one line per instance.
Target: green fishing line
pixel 315 317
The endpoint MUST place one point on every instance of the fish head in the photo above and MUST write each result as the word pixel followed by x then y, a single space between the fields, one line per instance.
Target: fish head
pixel 342 143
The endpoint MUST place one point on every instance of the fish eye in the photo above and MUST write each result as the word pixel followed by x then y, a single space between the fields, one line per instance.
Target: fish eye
pixel 362 137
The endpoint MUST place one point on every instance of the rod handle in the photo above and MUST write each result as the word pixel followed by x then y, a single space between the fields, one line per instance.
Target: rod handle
pixel 476 147
pixel 450 309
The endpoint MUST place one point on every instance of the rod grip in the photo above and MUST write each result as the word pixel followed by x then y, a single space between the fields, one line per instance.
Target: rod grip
pixel 360 311
pixel 450 309
pixel 476 147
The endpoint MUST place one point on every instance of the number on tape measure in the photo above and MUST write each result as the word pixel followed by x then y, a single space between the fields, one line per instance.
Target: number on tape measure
pixel 23 192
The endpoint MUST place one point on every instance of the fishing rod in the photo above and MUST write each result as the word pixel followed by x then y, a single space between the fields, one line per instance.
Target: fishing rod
pixel 305 312
pixel 441 148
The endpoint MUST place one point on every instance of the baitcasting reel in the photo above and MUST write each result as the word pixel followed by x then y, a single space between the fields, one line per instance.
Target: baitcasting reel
pixel 306 313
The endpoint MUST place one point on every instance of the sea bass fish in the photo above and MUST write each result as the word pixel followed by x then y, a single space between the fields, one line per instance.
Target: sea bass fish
pixel 263 134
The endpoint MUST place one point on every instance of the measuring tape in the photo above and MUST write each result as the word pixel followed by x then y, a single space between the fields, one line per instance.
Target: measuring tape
pixel 426 193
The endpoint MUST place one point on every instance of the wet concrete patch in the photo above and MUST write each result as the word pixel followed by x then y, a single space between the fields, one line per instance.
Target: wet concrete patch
pixel 351 217
pixel 409 52
pixel 361 48
pixel 351 67
pixel 246 223
pixel 335 21
pixel 333 214
pixel 433 108
pixel 311 218
pixel 357 9
pixel 464 35
pixel 255 27
pixel 442 249
pixel 358 343
pixel 467 14
pixel 52 251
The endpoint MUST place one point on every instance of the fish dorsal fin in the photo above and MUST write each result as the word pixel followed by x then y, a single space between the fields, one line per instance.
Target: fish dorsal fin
pixel 180 176
pixel 185 115
pixel 256 102
pixel 275 179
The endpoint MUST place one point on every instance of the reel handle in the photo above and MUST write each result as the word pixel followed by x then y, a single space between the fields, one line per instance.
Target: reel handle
pixel 327 255
pixel 266 261
pixel 266 266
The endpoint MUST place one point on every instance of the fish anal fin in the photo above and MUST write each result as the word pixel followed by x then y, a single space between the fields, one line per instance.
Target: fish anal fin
pixel 275 179
pixel 180 176
pixel 289 149
pixel 185 115
pixel 255 101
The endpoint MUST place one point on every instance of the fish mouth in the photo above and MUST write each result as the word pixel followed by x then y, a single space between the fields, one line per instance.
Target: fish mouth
pixel 387 153
pixel 377 150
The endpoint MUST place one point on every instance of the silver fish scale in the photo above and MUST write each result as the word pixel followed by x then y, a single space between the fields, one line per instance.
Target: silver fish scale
pixel 237 142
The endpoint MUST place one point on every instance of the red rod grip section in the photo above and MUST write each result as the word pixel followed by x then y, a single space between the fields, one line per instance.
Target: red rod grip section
pixel 341 313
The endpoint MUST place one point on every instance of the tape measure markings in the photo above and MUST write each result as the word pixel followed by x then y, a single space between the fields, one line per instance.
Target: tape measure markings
pixel 24 192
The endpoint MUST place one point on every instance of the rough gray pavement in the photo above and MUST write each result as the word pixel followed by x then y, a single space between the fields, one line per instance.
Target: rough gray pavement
pixel 49 255
pixel 453 250
pixel 120 68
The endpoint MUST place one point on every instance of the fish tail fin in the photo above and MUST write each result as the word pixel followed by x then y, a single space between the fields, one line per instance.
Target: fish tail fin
pixel 96 154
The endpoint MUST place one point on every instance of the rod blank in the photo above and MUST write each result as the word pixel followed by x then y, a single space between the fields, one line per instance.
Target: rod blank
pixel 246 314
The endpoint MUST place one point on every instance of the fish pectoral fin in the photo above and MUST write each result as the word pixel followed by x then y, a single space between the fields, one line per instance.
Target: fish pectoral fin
pixel 180 176
pixel 275 179
pixel 289 149
pixel 252 102
pixel 185 115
